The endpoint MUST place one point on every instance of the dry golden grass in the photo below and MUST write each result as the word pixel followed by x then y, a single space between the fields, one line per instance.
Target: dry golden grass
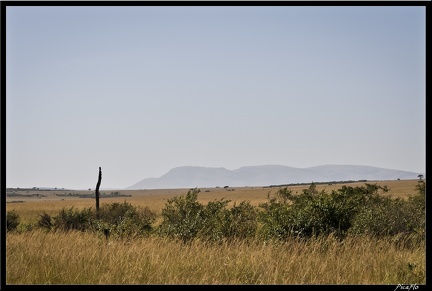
pixel 39 257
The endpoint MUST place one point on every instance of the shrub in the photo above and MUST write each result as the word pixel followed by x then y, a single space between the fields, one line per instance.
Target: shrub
pixel 183 217
pixel 384 216
pixel 12 220
pixel 123 219
pixel 45 221
pixel 73 219
pixel 379 217
pixel 113 213
pixel 213 223
pixel 240 221
pixel 222 224
pixel 276 218
pixel 417 208
pixel 186 219
pixel 313 213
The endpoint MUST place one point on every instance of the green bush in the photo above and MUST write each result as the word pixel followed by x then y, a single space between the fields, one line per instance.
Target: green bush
pixel 240 221
pixel 124 220
pixel 120 219
pixel 67 219
pixel 45 221
pixel 417 209
pixel 275 219
pixel 385 216
pixel 114 213
pixel 183 217
pixel 222 224
pixel 214 214
pixel 186 219
pixel 12 220
pixel 73 219
pixel 313 213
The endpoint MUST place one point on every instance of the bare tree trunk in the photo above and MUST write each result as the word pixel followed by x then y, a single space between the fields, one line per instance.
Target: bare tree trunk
pixel 97 191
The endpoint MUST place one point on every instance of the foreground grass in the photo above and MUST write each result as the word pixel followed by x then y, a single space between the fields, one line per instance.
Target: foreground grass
pixel 38 257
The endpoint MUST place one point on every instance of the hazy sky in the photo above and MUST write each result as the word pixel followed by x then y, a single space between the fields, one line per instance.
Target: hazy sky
pixel 141 90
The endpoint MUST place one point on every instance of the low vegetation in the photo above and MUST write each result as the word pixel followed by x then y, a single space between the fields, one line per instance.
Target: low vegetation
pixel 350 235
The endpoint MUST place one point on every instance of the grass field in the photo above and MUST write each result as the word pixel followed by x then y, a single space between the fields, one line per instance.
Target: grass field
pixel 41 257
pixel 81 258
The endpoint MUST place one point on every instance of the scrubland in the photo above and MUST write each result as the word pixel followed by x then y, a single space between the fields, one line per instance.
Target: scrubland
pixel 174 256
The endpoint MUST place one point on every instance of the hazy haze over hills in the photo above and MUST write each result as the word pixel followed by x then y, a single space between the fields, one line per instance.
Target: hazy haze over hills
pixel 201 177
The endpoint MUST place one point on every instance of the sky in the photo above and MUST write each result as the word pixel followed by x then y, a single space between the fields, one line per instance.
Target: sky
pixel 140 90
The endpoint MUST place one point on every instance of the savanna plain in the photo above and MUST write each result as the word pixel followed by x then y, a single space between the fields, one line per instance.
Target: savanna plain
pixel 316 234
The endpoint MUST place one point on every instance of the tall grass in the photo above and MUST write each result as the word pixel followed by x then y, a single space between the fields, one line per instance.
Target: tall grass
pixel 41 257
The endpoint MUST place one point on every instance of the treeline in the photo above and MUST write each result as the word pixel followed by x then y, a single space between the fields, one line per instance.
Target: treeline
pixel 92 195
pixel 346 211
pixel 78 195
pixel 316 183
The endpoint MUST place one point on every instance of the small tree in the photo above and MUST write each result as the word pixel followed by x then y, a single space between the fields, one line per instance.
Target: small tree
pixel 420 176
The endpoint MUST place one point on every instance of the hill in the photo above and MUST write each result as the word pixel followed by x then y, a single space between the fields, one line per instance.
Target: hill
pixel 201 177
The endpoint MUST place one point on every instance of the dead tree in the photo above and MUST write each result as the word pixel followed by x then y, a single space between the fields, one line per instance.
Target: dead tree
pixel 97 191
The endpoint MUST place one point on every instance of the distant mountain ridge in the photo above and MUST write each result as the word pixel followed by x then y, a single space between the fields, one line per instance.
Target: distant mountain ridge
pixel 266 175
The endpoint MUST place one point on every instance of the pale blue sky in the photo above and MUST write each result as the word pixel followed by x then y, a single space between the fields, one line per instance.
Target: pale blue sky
pixel 140 90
